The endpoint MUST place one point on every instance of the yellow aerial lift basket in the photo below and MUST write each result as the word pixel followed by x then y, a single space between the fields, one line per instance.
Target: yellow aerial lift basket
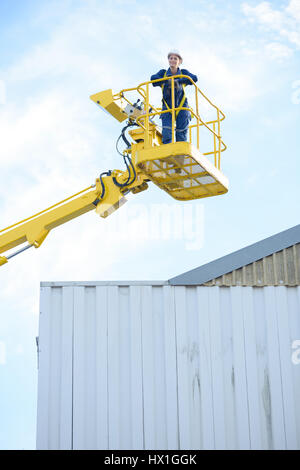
pixel 182 169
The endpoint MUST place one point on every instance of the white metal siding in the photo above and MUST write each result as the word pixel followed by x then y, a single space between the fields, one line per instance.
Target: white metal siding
pixel 164 367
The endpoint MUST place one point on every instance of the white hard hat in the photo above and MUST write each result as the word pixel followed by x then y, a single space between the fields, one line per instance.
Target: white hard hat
pixel 175 52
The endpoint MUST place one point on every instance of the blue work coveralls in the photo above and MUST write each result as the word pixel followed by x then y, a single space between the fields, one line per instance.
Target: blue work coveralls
pixel 183 117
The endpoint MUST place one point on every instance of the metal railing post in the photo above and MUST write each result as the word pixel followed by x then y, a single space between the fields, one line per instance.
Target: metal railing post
pixel 197 112
pixel 173 111
pixel 147 117
pixel 219 141
pixel 215 145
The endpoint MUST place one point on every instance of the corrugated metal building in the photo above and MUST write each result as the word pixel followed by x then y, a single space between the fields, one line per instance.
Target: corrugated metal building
pixel 206 360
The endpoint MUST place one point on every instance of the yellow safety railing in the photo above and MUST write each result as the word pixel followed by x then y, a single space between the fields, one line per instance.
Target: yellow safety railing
pixel 212 126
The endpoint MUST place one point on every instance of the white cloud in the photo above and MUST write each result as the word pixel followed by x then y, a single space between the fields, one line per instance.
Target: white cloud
pixel 2 92
pixel 19 349
pixel 265 14
pixel 293 9
pixel 285 22
pixel 278 51
pixel 292 36
pixel 295 98
pixel 2 353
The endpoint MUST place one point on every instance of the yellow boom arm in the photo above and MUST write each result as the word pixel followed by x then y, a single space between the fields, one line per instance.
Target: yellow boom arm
pixel 105 197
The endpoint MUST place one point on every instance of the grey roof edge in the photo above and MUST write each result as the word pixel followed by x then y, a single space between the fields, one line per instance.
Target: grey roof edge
pixel 101 283
pixel 239 258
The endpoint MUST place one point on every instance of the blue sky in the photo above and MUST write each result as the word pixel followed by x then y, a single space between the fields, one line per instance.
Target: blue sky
pixel 55 141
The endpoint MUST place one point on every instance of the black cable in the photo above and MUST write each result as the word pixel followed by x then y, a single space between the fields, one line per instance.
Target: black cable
pixel 123 135
pixel 133 169
pixel 122 185
pixel 130 179
pixel 107 173
pixel 126 159
pixel 117 146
